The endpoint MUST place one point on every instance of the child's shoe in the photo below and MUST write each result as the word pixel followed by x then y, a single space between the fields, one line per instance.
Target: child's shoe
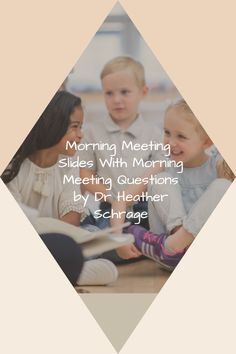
pixel 98 272
pixel 153 246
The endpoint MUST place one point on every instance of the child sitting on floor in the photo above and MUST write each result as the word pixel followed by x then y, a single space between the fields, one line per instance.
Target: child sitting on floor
pixel 36 180
pixel 177 220
pixel 124 87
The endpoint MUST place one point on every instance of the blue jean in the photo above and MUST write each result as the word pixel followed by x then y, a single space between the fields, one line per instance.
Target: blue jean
pixel 103 223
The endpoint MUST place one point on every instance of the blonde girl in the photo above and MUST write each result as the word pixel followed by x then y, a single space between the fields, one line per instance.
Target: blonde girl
pixel 204 179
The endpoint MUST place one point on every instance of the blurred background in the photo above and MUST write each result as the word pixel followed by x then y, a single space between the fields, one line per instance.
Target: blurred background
pixel 118 36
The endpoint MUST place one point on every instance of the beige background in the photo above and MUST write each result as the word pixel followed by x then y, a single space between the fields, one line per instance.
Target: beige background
pixel 195 311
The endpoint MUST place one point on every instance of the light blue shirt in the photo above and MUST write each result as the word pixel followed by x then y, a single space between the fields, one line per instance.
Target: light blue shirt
pixel 194 181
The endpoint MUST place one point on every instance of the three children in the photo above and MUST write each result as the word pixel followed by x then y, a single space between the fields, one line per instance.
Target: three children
pixel 35 180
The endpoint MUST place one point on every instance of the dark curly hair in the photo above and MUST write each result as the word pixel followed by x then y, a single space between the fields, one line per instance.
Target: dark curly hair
pixel 47 132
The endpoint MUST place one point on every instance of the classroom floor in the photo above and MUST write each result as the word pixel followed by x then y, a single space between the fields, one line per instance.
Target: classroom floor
pixel 144 276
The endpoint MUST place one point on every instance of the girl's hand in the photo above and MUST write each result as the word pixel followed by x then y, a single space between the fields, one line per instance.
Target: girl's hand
pixel 72 218
pixel 127 252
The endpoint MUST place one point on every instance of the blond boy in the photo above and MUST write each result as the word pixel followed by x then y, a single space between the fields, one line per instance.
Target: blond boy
pixel 124 87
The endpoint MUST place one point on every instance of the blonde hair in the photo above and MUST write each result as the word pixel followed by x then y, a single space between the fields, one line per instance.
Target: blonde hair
pixel 226 171
pixel 189 116
pixel 121 63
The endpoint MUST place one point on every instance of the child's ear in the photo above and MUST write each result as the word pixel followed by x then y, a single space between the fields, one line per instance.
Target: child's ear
pixel 145 90
pixel 208 143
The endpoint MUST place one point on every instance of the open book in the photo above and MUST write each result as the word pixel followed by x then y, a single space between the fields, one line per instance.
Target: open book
pixel 92 243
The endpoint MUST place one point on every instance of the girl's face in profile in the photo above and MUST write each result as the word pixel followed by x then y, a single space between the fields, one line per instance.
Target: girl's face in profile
pixel 73 134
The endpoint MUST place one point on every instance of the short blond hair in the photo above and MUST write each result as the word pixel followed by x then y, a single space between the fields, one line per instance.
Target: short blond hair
pixel 227 172
pixel 123 62
pixel 182 107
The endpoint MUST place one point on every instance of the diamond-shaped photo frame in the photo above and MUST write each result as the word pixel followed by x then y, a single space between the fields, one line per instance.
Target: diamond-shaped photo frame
pixel 118 50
